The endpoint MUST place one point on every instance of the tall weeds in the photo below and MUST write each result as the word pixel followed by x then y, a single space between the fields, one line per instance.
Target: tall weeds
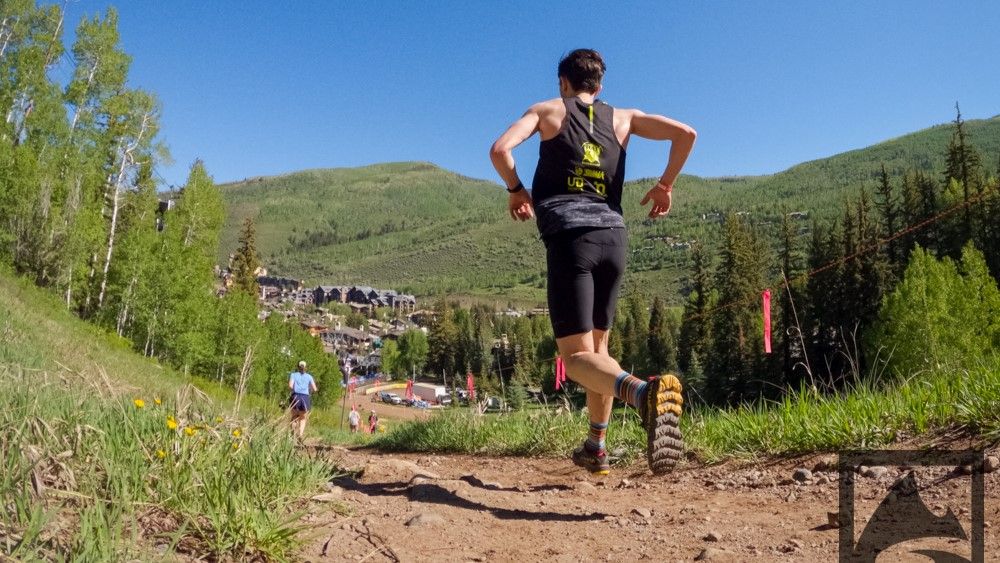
pixel 90 473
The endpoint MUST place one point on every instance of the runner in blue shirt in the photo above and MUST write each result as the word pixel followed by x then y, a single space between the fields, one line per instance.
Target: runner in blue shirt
pixel 301 384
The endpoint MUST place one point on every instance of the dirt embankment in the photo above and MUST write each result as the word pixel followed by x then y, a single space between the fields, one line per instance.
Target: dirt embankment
pixel 461 508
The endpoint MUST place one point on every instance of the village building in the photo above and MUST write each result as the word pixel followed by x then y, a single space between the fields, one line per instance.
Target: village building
pixel 346 338
pixel 314 328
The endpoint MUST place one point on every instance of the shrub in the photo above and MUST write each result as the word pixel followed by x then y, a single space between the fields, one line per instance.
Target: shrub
pixel 942 315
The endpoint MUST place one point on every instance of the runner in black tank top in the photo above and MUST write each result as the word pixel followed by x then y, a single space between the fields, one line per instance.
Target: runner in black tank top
pixel 578 181
pixel 576 194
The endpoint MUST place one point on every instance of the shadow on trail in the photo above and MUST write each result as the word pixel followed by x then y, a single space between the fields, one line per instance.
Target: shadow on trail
pixel 432 493
pixel 479 483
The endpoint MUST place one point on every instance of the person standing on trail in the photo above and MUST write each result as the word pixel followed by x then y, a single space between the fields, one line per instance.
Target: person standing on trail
pixel 354 419
pixel 372 422
pixel 301 384
pixel 576 195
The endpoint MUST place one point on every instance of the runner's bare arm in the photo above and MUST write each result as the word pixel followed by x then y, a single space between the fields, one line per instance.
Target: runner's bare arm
pixel 660 128
pixel 681 137
pixel 501 153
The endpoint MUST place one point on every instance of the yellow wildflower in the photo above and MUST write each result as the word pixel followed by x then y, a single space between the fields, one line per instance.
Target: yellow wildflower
pixel 237 433
pixel 161 454
pixel 157 401
pixel 171 423
pixel 139 403
pixel 236 445
pixel 190 431
pixel 218 420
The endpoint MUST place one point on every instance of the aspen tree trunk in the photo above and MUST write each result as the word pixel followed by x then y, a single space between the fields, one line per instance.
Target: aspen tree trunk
pixel 126 159
pixel 6 33
pixel 79 109
pixel 55 35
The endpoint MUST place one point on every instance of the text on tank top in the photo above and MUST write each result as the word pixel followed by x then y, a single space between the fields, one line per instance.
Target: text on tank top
pixel 580 172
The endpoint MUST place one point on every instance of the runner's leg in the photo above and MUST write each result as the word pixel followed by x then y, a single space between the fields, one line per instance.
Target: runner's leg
pixel 599 405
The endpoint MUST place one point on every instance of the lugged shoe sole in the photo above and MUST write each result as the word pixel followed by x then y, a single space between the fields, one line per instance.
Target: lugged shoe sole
pixel 664 442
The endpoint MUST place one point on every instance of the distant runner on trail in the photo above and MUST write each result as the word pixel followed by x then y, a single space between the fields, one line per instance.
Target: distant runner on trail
pixel 576 195
pixel 354 419
pixel 301 384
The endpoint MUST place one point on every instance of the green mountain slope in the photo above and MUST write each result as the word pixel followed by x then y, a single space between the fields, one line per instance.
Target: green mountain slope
pixel 422 229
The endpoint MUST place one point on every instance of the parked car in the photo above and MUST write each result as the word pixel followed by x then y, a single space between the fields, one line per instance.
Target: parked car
pixel 421 404
pixel 391 398
pixel 444 400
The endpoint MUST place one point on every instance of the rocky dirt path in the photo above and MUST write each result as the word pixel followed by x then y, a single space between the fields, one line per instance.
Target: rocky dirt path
pixel 462 508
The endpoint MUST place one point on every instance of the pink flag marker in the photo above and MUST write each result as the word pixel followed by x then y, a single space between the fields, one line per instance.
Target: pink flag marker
pixel 560 373
pixel 767 321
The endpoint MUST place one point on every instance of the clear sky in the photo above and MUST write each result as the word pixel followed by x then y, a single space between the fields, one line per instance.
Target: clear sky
pixel 264 87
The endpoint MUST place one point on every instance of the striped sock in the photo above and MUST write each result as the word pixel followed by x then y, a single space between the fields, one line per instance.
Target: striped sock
pixel 630 389
pixel 595 437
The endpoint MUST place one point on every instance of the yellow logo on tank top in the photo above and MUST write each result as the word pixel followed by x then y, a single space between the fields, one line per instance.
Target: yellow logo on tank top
pixel 592 154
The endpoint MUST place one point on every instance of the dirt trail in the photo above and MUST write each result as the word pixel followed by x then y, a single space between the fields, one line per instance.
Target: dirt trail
pixel 462 508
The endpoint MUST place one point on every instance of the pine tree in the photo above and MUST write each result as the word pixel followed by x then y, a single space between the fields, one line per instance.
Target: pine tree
pixel 695 330
pixel 736 359
pixel 791 296
pixel 911 213
pixel 888 207
pixel 442 340
pixel 929 237
pixel 963 166
pixel 246 264
pixel 633 328
pixel 661 343
pixel 822 288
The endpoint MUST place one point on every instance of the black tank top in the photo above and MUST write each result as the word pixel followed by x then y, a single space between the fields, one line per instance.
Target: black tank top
pixel 578 181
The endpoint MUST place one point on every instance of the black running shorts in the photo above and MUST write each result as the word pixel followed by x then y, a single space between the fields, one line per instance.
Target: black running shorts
pixel 585 267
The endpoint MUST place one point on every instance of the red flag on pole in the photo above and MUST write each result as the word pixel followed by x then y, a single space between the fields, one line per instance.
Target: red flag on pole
pixel 470 386
pixel 767 321
pixel 560 373
pixel 409 389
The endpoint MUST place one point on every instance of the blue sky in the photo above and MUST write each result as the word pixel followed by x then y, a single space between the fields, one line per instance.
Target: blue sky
pixel 262 87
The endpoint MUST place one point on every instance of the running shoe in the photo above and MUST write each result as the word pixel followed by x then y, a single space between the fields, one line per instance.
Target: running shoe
pixel 596 463
pixel 661 419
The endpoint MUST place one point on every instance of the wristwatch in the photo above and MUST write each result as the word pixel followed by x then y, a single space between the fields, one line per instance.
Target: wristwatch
pixel 516 188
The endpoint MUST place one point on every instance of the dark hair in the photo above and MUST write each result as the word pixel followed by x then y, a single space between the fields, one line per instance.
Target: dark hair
pixel 584 68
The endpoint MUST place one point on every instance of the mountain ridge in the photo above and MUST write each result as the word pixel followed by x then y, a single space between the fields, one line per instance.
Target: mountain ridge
pixel 427 230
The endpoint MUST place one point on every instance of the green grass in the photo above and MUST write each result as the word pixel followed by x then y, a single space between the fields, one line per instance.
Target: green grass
pixel 87 475
pixel 90 475
pixel 804 422
pixel 521 433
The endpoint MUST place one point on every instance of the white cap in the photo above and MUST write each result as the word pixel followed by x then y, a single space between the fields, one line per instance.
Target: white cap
pixel 302 363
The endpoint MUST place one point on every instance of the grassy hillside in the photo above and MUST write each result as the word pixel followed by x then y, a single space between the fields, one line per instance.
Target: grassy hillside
pixel 419 228
pixel 106 455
